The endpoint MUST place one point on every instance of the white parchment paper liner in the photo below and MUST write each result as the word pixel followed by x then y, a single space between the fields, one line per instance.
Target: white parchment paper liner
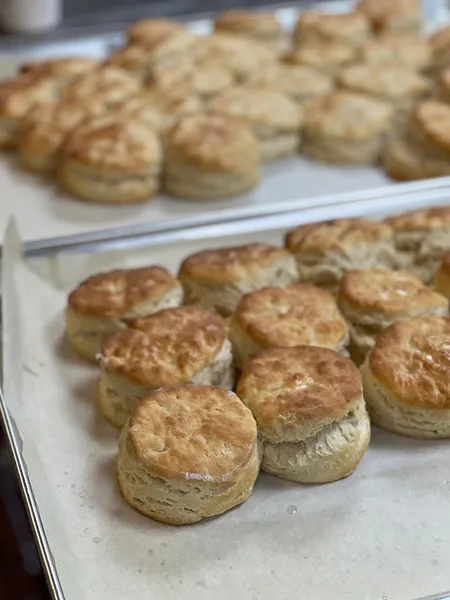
pixel 383 533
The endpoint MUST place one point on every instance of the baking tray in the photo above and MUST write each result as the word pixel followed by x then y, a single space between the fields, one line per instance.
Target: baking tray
pixel 382 534
pixel 43 210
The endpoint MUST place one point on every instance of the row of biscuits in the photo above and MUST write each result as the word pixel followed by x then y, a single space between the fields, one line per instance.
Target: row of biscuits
pixel 196 116
pixel 191 448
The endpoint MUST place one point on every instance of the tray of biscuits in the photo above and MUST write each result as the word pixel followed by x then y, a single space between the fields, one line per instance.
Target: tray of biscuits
pixel 258 409
pixel 243 113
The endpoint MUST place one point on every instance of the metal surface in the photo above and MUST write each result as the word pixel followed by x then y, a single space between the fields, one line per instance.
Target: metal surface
pixel 361 206
pixel 414 193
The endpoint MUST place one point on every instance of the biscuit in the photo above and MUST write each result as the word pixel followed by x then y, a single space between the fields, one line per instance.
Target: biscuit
pixel 422 148
pixel 373 299
pixel 440 50
pixel 405 378
pixel 441 279
pixel 111 160
pixel 106 85
pixel 62 69
pixel 346 127
pixel 393 83
pixel 188 453
pixel 151 32
pixel 392 15
pixel 240 56
pixel 45 128
pixel 295 315
pixel 103 304
pixel 263 27
pixel 328 58
pixel 17 97
pixel 298 82
pixel 443 85
pixel 142 109
pixel 408 50
pixel 315 27
pixel 274 118
pixel 173 48
pixel 218 279
pixel 325 251
pixel 310 412
pixel 210 156
pixel 422 237
pixel 171 347
pixel 188 79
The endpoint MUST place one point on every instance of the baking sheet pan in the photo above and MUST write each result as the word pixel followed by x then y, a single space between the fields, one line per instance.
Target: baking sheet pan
pixel 43 210
pixel 382 534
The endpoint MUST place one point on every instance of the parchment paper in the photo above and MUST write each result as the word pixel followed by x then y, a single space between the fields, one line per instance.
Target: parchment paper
pixel 382 534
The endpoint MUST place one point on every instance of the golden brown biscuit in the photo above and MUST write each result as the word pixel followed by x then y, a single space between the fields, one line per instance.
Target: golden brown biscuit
pixel 151 32
pixel 112 160
pixel 373 299
pixel 324 251
pixel 298 314
pixel 17 97
pixel 422 237
pixel 392 15
pixel 422 148
pixel 263 27
pixel 408 50
pixel 188 453
pixel 315 27
pixel 46 127
pixel 104 303
pixel 171 347
pixel 210 156
pixel 310 412
pixel 60 68
pixel 188 79
pixel 346 127
pixel 298 82
pixel 441 279
pixel 393 83
pixel 273 117
pixel 106 85
pixel 328 58
pixel 405 378
pixel 218 279
pixel 443 85
pixel 440 50
pixel 241 57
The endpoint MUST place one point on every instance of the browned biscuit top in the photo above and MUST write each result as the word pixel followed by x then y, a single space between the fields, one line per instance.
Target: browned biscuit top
pixel 166 348
pixel 151 32
pixel 380 12
pixel 117 292
pixel 347 115
pixel 288 387
pixel 332 27
pixel 429 218
pixel 387 292
pixel 19 95
pixel 193 433
pixel 59 67
pixel 109 143
pixel 98 81
pixel 215 142
pixel 392 82
pixel 323 57
pixel 403 48
pixel 411 359
pixel 230 265
pixel 241 21
pixel 431 118
pixel 340 234
pixel 440 41
pixel 291 316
